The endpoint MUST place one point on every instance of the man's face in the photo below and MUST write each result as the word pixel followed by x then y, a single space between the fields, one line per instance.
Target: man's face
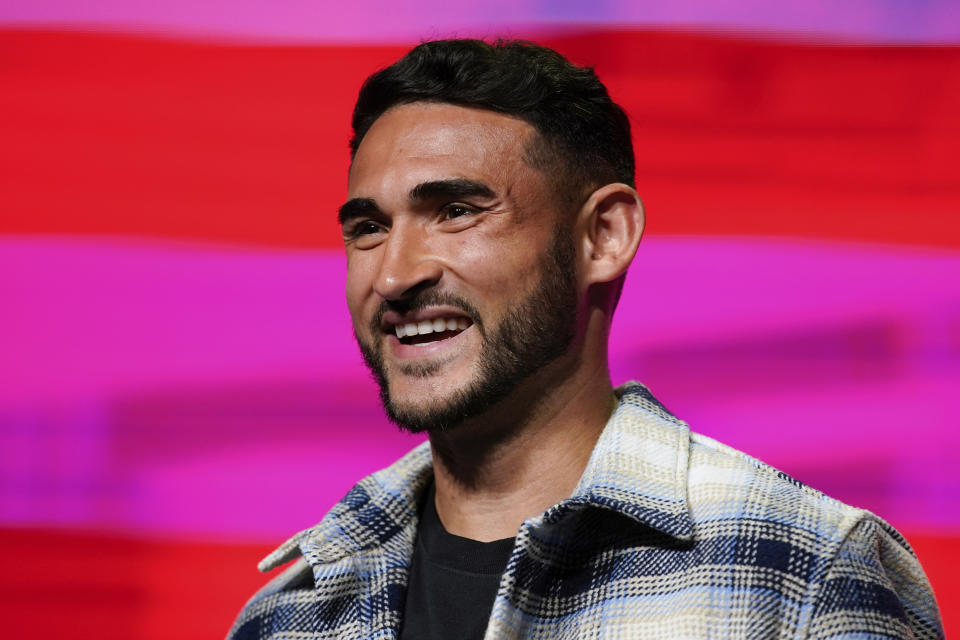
pixel 460 275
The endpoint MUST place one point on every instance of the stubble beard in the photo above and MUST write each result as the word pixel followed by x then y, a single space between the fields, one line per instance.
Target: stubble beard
pixel 530 336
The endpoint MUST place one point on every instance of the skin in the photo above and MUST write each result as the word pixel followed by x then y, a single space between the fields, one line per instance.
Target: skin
pixel 528 451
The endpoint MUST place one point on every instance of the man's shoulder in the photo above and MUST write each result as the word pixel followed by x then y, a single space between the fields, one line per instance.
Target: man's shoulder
pixel 732 492
pixel 755 536
pixel 728 494
pixel 858 573
pixel 378 508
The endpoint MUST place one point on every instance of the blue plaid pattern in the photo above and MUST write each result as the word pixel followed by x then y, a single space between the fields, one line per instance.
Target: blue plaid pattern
pixel 669 535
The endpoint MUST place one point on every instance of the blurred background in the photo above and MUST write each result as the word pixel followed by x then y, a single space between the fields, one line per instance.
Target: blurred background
pixel 179 389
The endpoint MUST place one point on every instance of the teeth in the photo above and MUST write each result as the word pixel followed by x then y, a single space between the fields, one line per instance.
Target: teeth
pixel 437 325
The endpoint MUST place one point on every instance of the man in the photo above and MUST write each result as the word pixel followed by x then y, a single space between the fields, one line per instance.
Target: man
pixel 490 221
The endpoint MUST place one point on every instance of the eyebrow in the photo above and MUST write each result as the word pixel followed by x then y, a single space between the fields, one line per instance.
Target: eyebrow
pixel 357 208
pixel 450 188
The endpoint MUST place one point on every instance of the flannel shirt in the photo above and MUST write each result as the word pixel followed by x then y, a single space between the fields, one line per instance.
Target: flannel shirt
pixel 668 535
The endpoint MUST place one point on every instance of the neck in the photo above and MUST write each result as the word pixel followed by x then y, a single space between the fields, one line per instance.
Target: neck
pixel 524 455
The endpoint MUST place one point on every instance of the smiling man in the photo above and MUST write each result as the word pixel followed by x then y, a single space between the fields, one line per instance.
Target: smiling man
pixel 489 224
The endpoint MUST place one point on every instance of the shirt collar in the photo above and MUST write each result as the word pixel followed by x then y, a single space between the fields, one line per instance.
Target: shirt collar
pixel 638 468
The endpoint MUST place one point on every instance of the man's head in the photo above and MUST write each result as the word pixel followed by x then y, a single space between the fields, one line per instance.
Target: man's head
pixel 583 138
pixel 476 224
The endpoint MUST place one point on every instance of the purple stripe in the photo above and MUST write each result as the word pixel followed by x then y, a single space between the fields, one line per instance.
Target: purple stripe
pixel 212 390
pixel 379 21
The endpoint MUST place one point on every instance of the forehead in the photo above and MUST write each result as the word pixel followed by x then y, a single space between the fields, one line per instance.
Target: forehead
pixel 423 141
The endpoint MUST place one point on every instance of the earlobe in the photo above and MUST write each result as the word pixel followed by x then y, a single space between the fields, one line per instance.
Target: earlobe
pixel 614 220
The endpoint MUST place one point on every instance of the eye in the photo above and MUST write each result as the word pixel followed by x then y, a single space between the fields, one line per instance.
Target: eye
pixel 363 234
pixel 457 210
pixel 361 228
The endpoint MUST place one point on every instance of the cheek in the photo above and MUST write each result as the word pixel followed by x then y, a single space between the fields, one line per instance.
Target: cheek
pixel 504 263
pixel 355 290
pixel 353 305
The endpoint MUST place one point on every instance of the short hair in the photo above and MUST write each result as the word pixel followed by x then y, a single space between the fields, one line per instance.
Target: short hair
pixel 584 137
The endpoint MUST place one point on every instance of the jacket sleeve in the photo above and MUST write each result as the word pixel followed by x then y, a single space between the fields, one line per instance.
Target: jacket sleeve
pixel 875 588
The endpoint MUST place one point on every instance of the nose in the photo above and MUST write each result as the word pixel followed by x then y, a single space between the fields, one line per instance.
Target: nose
pixel 407 265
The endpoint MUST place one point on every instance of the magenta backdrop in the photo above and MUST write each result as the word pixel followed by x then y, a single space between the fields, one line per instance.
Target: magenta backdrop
pixel 162 387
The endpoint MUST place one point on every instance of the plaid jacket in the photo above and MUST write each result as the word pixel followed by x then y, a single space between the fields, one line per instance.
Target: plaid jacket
pixel 669 535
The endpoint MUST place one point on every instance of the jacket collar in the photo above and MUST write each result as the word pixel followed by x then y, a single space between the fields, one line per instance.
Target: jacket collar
pixel 638 469
pixel 372 513
pixel 639 465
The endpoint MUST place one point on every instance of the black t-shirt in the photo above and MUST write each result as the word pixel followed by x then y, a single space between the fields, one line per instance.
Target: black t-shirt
pixel 453 581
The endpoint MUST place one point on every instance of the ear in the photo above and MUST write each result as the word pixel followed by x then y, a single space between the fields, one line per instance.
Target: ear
pixel 613 220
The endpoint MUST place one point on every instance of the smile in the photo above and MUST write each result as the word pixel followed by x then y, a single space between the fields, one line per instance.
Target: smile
pixel 430 330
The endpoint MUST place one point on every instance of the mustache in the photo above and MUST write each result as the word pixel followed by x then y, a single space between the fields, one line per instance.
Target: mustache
pixel 422 300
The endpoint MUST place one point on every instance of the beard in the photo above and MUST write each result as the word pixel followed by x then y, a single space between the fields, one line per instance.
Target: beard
pixel 533 334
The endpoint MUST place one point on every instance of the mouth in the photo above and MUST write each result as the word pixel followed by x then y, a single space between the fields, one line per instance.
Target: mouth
pixel 425 327
pixel 430 330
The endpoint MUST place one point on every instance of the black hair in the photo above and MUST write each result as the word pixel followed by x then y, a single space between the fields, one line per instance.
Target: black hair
pixel 584 137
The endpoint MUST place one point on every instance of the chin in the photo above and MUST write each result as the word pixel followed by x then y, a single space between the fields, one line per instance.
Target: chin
pixel 427 405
